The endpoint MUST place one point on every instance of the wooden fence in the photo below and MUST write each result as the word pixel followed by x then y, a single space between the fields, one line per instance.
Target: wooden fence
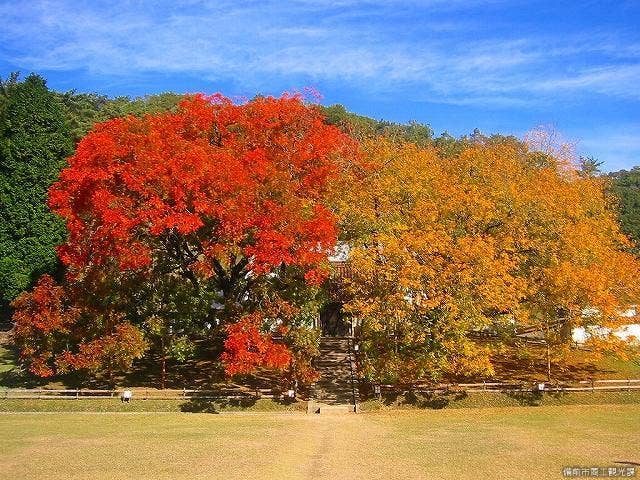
pixel 138 393
pixel 497 387
pixel 237 393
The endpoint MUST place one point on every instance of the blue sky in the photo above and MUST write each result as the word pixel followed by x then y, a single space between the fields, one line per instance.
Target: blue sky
pixel 501 66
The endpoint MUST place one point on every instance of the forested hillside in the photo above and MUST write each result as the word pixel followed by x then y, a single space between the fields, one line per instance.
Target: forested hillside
pixel 625 185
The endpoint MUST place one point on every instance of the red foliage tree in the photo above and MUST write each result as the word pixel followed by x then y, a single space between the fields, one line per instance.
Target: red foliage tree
pixel 216 190
pixel 113 351
pixel 41 321
pixel 246 348
pixel 55 335
pixel 212 202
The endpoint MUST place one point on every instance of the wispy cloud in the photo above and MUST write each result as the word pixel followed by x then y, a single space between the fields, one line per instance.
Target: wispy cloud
pixel 493 64
pixel 621 80
pixel 318 40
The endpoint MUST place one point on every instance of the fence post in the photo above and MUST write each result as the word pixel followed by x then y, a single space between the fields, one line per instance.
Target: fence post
pixel 592 386
pixel 77 394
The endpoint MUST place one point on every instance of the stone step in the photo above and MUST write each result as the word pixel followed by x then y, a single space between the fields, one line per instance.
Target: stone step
pixel 326 380
pixel 326 392
pixel 333 383
pixel 343 365
pixel 335 399
pixel 334 387
pixel 336 409
pixel 334 365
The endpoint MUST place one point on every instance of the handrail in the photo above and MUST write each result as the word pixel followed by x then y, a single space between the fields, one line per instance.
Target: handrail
pixel 353 386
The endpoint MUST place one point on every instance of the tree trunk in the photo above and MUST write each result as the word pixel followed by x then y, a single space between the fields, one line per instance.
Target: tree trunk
pixel 548 363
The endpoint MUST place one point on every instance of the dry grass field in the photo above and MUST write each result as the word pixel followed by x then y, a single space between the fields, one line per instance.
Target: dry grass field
pixel 495 443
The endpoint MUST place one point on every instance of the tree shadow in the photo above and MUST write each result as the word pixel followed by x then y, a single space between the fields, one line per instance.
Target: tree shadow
pixel 201 372
pixel 12 375
pixel 215 405
pixel 435 400
pixel 390 398
pixel 200 405
pixel 529 399
pixel 428 400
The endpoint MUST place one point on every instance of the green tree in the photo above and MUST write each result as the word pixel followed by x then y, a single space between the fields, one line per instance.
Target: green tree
pixel 83 110
pixel 362 127
pixel 34 142
pixel 589 166
pixel 625 185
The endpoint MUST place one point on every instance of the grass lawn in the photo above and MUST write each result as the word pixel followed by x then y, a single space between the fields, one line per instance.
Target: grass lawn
pixel 495 400
pixel 7 360
pixel 495 443
pixel 388 402
pixel 114 405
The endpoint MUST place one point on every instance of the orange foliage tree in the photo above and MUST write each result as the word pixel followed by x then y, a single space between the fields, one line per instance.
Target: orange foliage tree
pixel 493 239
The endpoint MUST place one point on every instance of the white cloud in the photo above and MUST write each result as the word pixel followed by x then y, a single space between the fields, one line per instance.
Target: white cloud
pixel 621 80
pixel 310 40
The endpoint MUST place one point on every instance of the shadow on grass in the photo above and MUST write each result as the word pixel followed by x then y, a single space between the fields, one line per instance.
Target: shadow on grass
pixel 435 400
pixel 200 405
pixel 429 400
pixel 203 371
pixel 526 399
pixel 207 405
pixel 440 399
pixel 249 403
pixel 11 375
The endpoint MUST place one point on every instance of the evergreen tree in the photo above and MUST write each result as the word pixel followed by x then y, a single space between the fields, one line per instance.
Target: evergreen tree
pixel 34 142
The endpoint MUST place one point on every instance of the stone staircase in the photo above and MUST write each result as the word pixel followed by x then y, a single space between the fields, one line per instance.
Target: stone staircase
pixel 337 389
